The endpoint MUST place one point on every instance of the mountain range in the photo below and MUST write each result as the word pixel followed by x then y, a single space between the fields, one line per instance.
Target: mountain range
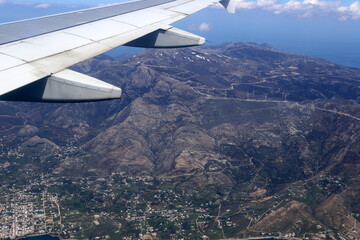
pixel 277 133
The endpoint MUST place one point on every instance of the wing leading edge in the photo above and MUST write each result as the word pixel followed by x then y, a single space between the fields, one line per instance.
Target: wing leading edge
pixel 35 54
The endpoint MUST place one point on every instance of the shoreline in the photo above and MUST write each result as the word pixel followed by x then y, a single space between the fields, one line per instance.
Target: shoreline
pixel 38 235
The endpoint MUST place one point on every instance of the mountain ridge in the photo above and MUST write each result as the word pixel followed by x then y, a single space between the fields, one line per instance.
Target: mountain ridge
pixel 240 121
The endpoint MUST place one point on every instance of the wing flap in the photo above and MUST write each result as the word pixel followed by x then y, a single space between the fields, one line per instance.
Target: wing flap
pixel 9 62
pixel 193 6
pixel 43 46
pixel 145 17
pixel 104 29
pixel 18 76
pixel 173 4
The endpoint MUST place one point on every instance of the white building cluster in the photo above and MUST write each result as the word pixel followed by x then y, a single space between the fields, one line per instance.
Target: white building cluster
pixel 26 214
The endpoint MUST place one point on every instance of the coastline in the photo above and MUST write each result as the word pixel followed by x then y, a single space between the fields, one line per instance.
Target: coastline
pixel 48 236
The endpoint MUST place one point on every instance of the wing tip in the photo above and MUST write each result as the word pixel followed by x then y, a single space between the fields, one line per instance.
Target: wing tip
pixel 229 5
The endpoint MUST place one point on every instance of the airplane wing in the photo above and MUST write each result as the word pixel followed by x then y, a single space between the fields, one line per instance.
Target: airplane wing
pixel 35 54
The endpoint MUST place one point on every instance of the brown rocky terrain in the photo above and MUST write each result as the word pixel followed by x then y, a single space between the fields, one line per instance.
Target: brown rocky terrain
pixel 263 129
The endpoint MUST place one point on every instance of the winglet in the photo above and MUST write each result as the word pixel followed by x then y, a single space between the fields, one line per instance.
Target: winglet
pixel 229 5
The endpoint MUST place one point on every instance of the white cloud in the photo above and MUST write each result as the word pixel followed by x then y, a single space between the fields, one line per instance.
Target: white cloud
pixel 203 27
pixel 304 8
pixel 42 5
pixel 244 4
pixel 350 12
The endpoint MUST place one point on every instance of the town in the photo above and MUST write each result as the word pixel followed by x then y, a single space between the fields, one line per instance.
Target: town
pixel 23 214
pixel 128 207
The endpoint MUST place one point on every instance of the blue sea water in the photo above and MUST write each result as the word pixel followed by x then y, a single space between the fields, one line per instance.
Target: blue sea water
pixel 44 237
pixel 322 37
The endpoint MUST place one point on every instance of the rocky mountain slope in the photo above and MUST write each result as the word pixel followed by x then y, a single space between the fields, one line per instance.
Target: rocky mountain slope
pixel 275 135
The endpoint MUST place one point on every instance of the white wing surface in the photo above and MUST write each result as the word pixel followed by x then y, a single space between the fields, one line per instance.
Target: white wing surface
pixel 35 53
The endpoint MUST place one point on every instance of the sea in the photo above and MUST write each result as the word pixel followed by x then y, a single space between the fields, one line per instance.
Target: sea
pixel 43 237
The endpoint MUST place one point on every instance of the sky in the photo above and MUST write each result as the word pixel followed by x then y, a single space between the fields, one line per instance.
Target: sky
pixel 328 29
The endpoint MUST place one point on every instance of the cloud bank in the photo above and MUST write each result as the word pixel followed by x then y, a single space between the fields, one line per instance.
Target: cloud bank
pixel 299 8
pixel 304 8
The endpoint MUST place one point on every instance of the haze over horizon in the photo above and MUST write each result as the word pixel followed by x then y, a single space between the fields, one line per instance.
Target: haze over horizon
pixel 325 29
